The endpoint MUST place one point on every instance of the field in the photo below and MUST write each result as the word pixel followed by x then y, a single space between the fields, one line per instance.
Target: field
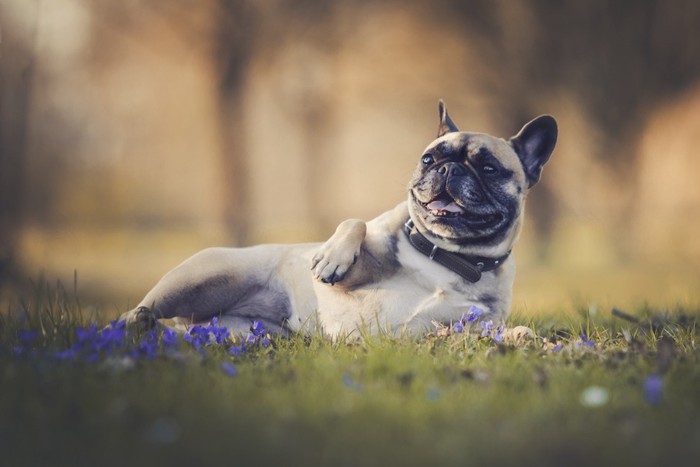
pixel 589 390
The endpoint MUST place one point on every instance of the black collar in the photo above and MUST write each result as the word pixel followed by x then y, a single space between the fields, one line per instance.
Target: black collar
pixel 469 267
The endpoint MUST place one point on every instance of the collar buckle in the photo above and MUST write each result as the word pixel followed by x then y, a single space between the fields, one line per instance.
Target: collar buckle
pixel 433 252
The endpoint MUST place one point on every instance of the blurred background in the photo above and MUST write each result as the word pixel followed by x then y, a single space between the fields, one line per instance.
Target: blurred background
pixel 134 133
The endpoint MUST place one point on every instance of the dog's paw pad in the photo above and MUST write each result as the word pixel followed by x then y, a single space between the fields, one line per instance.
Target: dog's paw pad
pixel 330 266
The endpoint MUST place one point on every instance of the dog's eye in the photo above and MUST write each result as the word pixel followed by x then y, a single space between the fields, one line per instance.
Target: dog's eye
pixel 428 159
pixel 489 169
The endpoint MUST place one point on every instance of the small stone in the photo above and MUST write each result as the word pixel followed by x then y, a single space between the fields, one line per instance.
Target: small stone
pixel 518 336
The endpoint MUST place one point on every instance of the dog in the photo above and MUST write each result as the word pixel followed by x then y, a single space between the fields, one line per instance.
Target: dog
pixel 445 249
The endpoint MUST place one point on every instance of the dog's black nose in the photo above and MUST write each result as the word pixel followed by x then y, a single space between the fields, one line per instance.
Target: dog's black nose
pixel 463 182
pixel 453 169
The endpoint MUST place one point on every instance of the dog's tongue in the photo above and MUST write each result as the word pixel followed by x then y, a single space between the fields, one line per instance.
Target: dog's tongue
pixel 439 205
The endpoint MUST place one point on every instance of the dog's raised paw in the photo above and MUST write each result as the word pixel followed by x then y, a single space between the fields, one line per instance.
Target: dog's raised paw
pixel 331 264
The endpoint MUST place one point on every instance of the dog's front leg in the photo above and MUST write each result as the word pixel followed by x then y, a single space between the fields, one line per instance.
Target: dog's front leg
pixel 336 256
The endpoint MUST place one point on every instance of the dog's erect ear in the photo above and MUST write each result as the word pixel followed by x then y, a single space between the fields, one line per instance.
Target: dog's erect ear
pixel 446 123
pixel 534 144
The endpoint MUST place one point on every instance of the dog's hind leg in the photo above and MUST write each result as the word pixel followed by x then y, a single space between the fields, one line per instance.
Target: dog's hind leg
pixel 217 282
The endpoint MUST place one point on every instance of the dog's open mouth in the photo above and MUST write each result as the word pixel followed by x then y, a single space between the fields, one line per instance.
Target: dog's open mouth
pixel 447 208
pixel 444 208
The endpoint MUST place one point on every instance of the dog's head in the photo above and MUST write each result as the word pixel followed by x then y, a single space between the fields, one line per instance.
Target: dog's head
pixel 468 190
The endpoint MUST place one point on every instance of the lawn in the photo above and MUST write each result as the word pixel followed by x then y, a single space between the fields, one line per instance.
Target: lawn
pixel 589 390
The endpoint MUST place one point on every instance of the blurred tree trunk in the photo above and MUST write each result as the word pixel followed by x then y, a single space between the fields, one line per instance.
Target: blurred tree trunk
pixel 233 47
pixel 16 61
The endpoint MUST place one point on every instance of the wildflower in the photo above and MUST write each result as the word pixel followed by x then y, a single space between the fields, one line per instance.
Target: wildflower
pixel 112 337
pixel 585 341
pixel 557 348
pixel 198 336
pixel 487 327
pixel 258 329
pixel 169 338
pixel 473 314
pixel 86 336
pixel 237 350
pixel 257 336
pixel 87 344
pixel 457 327
pixel 68 354
pixel 498 336
pixel 148 346
pixel 27 336
pixel 229 369
pixel 220 333
pixel 653 389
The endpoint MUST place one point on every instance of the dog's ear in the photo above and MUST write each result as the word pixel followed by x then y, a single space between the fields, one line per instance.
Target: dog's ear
pixel 446 123
pixel 534 144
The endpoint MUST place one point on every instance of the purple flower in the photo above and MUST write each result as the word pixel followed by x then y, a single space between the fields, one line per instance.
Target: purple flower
pixel 236 350
pixel 487 327
pixel 221 334
pixel 27 336
pixel 86 335
pixel 170 338
pixel 229 369
pixel 488 331
pixel 111 338
pixel 585 341
pixel 258 329
pixel 68 354
pixel 198 336
pixel 148 346
pixel 653 389
pixel 557 348
pixel 498 336
pixel 473 314
pixel 457 327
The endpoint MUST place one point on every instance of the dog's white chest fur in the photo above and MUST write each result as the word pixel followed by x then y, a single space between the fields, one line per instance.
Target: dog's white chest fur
pixel 424 293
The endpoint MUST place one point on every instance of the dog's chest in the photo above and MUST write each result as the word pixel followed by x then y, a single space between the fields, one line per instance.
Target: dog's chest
pixel 420 293
pixel 427 291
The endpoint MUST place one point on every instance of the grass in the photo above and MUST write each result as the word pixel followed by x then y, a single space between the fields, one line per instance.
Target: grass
pixel 456 399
